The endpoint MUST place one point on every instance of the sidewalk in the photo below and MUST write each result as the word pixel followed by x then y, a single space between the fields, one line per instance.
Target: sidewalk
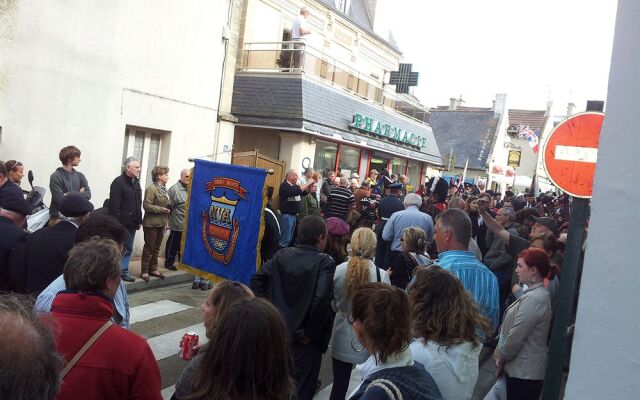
pixel 172 277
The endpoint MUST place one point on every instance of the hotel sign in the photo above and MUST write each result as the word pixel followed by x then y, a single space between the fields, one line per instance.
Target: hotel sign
pixel 384 130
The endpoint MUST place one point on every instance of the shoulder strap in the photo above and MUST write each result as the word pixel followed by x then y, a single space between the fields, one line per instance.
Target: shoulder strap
pixel 389 387
pixel 84 348
pixel 378 275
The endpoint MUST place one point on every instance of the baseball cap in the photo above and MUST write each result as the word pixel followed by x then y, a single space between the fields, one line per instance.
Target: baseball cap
pixel 548 222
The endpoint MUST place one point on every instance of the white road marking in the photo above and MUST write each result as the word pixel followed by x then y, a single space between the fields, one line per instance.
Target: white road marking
pixel 574 153
pixel 155 310
pixel 168 344
pixel 168 392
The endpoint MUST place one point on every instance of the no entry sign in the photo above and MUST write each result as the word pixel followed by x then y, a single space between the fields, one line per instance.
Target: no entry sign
pixel 570 153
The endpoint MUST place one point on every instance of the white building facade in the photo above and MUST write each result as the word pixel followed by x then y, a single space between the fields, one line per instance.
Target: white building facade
pixel 115 79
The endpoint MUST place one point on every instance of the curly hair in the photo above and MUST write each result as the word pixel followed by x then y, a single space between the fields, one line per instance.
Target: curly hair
pixel 442 310
pixel 415 239
pixel 383 312
pixel 223 296
pixel 363 248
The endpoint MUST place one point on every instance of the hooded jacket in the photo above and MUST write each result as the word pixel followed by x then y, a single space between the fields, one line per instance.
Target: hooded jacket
pixel 63 182
pixel 453 368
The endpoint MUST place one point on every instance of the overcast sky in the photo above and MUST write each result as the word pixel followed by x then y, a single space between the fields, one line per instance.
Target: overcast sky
pixel 533 50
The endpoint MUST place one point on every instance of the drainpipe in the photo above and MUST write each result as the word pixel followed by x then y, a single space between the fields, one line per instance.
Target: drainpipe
pixel 222 78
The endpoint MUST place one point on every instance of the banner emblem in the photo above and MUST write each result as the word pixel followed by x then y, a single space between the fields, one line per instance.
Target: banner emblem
pixel 220 229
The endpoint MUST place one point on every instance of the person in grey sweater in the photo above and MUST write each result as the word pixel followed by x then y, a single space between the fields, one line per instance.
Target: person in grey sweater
pixel 65 180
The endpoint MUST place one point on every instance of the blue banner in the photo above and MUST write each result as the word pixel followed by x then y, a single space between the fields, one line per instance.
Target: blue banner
pixel 223 221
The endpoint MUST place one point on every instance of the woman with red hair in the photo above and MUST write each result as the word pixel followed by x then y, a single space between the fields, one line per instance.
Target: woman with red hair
pixel 522 348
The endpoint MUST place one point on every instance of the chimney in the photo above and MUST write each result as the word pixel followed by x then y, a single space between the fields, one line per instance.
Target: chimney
pixel 370 5
pixel 453 104
pixel 500 105
pixel 548 110
pixel 570 109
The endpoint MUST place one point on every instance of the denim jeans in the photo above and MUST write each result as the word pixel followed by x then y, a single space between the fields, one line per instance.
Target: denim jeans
pixel 128 249
pixel 287 226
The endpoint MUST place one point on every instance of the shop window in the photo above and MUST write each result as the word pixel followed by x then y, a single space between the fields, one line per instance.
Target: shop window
pixel 349 160
pixel 398 166
pixel 415 168
pixel 325 157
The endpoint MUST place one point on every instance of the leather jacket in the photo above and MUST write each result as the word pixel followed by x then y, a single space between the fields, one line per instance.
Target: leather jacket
pixel 299 282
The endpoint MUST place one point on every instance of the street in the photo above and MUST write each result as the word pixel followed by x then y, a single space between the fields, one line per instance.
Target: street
pixel 164 314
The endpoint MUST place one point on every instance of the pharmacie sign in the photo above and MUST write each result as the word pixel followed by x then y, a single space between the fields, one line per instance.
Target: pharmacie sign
pixel 383 130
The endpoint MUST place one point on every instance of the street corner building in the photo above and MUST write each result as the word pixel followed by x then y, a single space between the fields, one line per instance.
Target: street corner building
pixel 325 102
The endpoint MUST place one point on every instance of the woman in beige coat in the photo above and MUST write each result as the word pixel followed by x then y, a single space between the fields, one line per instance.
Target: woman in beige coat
pixel 522 348
pixel 156 206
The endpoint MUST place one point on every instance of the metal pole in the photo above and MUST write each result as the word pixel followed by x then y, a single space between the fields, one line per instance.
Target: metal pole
pixel 566 299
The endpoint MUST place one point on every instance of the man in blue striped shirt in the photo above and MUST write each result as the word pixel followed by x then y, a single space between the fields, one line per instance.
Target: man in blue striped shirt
pixel 452 234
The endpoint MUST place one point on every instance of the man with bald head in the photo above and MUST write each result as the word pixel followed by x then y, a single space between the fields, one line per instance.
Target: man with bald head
pixel 178 199
pixel 290 195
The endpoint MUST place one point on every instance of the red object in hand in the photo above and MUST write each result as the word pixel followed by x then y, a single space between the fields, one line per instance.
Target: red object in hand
pixel 187 343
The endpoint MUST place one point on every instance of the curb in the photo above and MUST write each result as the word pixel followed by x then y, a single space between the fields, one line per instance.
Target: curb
pixel 175 278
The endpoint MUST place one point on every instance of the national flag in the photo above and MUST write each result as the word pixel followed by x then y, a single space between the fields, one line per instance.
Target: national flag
pixel 531 136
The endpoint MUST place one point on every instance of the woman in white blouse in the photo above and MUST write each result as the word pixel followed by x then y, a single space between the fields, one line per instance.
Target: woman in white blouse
pixel 445 321
pixel 349 276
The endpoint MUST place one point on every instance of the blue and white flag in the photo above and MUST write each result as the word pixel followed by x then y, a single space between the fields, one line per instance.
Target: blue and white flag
pixel 223 223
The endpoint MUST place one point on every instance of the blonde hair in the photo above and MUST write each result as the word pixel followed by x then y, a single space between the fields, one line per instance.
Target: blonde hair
pixel 415 239
pixel 363 249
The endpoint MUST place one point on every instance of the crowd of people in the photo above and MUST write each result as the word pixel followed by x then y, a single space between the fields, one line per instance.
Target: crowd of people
pixel 407 286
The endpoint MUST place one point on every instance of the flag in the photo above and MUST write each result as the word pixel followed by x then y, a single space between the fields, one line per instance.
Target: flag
pixel 223 224
pixel 531 136
pixel 464 174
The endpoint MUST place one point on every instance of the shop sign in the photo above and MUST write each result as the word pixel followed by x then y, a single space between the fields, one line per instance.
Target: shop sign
pixel 512 131
pixel 383 130
pixel 514 158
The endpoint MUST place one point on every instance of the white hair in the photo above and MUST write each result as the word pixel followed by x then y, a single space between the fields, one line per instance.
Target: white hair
pixel 412 199
pixel 129 161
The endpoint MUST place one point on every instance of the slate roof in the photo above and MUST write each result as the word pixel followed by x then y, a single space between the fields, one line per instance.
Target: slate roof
pixel 358 14
pixel 470 133
pixel 291 101
pixel 534 118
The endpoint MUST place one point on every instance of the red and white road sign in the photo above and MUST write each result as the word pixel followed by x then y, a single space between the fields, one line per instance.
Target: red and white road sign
pixel 570 153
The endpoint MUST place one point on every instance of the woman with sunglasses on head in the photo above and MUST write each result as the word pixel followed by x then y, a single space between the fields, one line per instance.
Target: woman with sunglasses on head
pixel 446 320
pixel 348 278
pixel 381 321
pixel 221 297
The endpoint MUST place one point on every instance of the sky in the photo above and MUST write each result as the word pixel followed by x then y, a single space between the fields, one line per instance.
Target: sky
pixel 532 50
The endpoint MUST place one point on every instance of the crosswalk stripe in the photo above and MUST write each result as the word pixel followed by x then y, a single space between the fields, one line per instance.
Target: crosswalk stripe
pixel 168 392
pixel 155 310
pixel 167 344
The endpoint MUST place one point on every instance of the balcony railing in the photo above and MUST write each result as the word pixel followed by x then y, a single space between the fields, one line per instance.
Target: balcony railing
pixel 287 57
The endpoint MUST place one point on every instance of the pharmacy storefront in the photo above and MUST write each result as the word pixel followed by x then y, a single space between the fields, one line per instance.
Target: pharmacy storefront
pixel 304 122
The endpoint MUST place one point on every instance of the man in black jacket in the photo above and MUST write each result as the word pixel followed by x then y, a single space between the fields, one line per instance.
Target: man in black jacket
pixel 125 204
pixel 48 248
pixel 299 282
pixel 13 211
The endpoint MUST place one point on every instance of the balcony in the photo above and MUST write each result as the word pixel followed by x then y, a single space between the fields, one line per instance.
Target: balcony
pixel 297 57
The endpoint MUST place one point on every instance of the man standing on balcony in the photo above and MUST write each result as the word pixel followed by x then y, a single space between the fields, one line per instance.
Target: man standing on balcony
pixel 299 31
